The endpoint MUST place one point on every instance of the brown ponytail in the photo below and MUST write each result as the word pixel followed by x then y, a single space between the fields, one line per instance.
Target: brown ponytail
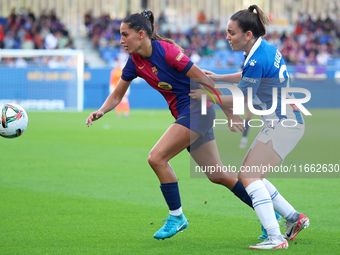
pixel 145 21
pixel 249 20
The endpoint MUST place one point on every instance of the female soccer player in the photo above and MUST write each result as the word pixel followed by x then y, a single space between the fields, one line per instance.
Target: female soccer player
pixel 263 70
pixel 163 65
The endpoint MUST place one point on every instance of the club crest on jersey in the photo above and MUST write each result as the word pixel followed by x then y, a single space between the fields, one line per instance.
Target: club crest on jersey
pixel 164 85
pixel 154 70
pixel 252 62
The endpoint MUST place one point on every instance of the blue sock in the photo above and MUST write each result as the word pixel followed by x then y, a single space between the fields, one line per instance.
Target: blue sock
pixel 171 194
pixel 242 194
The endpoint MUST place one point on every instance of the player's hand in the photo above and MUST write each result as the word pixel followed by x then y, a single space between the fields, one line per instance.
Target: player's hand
pixel 211 75
pixel 235 123
pixel 93 117
pixel 196 94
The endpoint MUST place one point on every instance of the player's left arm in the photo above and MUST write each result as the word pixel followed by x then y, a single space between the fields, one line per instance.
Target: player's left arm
pixel 197 75
pixel 227 101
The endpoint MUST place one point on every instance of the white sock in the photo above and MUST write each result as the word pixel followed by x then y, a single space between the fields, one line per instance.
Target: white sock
pixel 263 207
pixel 280 204
pixel 176 212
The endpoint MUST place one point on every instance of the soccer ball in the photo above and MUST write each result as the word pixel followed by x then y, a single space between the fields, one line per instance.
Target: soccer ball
pixel 13 120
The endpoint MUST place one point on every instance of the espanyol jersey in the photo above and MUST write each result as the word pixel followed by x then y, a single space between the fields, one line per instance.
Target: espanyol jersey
pixel 264 69
pixel 165 70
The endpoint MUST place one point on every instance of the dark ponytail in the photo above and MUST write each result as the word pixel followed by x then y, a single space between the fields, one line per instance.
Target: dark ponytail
pixel 248 20
pixel 145 21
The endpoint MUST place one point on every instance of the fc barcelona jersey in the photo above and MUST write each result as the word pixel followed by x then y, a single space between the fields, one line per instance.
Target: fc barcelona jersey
pixel 165 70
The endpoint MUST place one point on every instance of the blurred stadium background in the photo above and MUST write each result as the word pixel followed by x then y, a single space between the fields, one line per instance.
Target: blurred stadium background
pixel 306 31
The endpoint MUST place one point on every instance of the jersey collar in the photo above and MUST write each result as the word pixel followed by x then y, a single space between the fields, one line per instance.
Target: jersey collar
pixel 253 49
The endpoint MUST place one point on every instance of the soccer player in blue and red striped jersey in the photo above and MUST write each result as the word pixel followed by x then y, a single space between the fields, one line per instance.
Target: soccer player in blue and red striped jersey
pixel 165 67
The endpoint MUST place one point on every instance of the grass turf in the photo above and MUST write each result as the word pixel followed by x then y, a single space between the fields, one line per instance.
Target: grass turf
pixel 69 189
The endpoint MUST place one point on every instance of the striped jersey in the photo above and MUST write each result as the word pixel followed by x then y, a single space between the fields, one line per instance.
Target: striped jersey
pixel 165 70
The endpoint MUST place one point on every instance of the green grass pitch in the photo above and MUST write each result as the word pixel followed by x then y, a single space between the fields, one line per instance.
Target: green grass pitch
pixel 69 189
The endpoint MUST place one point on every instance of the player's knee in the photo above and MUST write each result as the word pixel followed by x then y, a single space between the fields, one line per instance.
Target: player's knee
pixel 240 176
pixel 216 180
pixel 154 159
pixel 151 159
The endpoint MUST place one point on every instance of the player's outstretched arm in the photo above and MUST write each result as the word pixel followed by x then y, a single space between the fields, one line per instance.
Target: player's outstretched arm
pixel 93 116
pixel 111 101
pixel 229 78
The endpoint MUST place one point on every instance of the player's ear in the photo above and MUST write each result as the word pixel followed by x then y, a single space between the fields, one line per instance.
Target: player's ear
pixel 141 34
pixel 249 35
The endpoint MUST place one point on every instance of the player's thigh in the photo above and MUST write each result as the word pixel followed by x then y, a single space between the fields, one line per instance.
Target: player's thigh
pixel 173 141
pixel 258 162
pixel 207 156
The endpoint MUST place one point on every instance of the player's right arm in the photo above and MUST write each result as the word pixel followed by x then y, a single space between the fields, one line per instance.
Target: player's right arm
pixel 111 101
pixel 229 78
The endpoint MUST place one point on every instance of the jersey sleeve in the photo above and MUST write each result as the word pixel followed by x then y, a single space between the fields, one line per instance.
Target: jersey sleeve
pixel 176 58
pixel 129 71
pixel 251 77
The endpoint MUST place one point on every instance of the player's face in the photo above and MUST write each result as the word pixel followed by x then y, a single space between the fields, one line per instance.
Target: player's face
pixel 130 39
pixel 236 38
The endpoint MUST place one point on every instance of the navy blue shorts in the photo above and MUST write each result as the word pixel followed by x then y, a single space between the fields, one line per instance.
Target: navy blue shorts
pixel 201 124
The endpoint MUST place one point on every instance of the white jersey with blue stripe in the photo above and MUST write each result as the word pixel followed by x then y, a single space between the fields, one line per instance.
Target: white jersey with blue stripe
pixel 263 70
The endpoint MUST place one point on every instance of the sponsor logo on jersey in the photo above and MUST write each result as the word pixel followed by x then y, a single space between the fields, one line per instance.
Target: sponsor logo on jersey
pixel 164 85
pixel 250 80
pixel 179 56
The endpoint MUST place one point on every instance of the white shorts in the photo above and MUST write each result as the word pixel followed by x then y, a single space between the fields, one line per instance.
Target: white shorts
pixel 284 136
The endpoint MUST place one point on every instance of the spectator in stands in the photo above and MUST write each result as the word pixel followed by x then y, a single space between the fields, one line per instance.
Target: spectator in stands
pixel 195 57
pixel 274 39
pixel 27 42
pixel 162 19
pixel 88 18
pixel 24 30
pixel 37 39
pixel 335 46
pixel 122 58
pixel 308 35
pixel 62 38
pixel 323 57
pixel 51 41
pixel 45 30
pixel 9 40
pixel 210 48
pixel 300 56
pixel 311 58
pixel 12 19
pixel 183 41
pixel 21 32
pixel 31 15
pixel 201 18
pixel 2 36
pixel 221 43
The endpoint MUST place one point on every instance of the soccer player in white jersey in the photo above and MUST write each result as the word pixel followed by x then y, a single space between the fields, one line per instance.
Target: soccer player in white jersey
pixel 264 71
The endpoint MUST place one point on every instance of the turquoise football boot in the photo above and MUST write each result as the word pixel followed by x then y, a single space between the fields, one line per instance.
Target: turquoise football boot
pixel 172 225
